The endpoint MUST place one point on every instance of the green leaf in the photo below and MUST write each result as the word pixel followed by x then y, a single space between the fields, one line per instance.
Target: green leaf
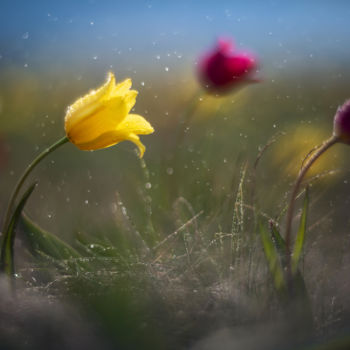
pixel 7 252
pixel 272 258
pixel 300 238
pixel 302 305
pixel 278 240
pixel 41 242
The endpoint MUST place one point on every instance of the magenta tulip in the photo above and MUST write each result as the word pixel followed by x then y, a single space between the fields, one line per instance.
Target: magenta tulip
pixel 223 68
pixel 342 123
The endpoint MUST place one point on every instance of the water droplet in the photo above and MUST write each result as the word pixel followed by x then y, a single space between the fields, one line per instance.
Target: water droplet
pixel 142 83
pixel 95 58
pixel 25 36
pixel 148 185
pixel 170 171
pixel 86 201
pixel 166 69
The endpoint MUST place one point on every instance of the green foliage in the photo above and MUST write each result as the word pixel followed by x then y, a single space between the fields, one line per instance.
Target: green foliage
pixel 300 238
pixel 43 244
pixel 273 259
pixel 275 246
pixel 39 241
pixel 7 261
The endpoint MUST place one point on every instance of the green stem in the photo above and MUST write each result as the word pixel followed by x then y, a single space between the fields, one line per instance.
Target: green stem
pixel 24 176
pixel 324 147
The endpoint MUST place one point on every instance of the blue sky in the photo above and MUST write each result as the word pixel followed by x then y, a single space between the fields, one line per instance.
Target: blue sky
pixel 39 32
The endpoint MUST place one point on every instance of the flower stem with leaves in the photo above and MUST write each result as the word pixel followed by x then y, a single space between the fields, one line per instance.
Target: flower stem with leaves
pixel 8 231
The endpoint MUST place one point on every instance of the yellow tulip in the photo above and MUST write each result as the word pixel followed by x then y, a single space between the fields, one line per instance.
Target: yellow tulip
pixel 101 118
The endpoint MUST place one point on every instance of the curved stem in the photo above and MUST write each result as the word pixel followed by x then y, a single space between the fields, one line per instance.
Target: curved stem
pixel 24 176
pixel 324 147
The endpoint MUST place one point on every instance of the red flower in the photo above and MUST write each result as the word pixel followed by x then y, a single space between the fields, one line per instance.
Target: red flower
pixel 342 123
pixel 222 68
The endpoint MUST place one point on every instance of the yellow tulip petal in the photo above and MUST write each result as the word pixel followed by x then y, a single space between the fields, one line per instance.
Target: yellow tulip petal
pixel 112 138
pixel 122 88
pixel 89 103
pixel 136 124
pixel 106 119
pixel 130 99
pixel 105 140
pixel 136 140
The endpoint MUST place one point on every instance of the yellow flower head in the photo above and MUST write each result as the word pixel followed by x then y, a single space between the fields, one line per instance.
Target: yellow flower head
pixel 101 118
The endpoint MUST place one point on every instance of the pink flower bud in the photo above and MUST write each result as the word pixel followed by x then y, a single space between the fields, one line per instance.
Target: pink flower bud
pixel 342 123
pixel 222 68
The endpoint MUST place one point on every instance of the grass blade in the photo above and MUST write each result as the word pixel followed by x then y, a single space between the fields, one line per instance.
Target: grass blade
pixel 300 293
pixel 300 238
pixel 7 252
pixel 272 258
pixel 238 213
pixel 40 241
pixel 278 240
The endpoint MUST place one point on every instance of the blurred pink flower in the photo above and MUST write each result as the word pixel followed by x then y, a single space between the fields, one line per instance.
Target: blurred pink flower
pixel 342 123
pixel 222 68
